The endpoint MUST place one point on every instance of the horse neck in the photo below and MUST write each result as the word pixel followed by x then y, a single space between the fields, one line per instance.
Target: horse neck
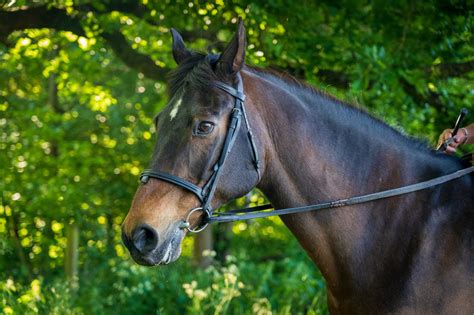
pixel 325 149
pixel 317 149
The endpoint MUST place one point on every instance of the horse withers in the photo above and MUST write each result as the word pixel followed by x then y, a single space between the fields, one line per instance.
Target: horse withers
pixel 406 254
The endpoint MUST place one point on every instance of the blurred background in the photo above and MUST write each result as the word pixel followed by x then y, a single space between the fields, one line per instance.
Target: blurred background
pixel 80 82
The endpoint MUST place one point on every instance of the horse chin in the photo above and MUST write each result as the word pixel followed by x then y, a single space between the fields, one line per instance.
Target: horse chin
pixel 172 254
pixel 166 253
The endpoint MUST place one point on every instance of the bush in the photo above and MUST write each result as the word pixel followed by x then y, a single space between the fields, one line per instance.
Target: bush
pixel 265 283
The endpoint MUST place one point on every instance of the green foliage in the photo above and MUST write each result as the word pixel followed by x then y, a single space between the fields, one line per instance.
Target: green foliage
pixel 112 284
pixel 74 155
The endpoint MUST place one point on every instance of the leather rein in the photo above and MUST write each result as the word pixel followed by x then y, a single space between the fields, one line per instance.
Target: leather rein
pixel 206 193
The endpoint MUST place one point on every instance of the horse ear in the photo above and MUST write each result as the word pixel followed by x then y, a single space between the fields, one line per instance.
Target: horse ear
pixel 180 52
pixel 233 57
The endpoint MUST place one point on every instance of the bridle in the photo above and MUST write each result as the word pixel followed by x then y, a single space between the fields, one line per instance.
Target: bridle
pixel 206 193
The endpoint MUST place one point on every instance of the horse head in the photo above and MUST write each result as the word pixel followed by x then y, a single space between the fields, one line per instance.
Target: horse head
pixel 192 130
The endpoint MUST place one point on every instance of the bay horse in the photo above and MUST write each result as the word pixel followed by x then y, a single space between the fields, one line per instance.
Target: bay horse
pixel 406 254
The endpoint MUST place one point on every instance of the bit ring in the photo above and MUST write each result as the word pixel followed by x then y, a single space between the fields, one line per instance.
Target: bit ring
pixel 186 225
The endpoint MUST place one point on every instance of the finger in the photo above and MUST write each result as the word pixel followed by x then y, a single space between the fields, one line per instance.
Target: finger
pixel 446 136
pixel 440 143
pixel 460 138
pixel 453 144
pixel 450 150
pixel 442 138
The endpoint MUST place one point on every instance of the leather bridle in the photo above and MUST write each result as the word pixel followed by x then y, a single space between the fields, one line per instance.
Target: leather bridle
pixel 206 193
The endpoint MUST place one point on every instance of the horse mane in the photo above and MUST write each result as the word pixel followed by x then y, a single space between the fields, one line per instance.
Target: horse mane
pixel 299 83
pixel 199 70
pixel 357 109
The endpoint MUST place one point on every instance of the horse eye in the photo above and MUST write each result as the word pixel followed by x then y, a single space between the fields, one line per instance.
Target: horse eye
pixel 204 128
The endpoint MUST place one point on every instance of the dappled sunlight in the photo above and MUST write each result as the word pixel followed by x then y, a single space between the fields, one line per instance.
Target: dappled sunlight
pixel 78 95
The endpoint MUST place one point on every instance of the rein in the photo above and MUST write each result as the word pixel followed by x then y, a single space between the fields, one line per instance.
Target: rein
pixel 257 212
pixel 206 193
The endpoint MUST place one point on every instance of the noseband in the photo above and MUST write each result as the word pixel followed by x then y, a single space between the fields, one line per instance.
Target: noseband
pixel 206 193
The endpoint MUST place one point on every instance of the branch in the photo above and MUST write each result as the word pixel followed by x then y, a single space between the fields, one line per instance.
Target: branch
pixel 193 35
pixel 125 6
pixel 447 70
pixel 38 17
pixel 433 99
pixel 132 58
pixel 334 78
pixel 44 17
pixel 444 70
pixel 54 18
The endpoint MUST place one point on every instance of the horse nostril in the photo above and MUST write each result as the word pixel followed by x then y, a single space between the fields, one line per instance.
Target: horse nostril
pixel 145 239
pixel 125 239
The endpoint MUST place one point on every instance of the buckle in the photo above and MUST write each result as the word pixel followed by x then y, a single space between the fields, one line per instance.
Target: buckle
pixel 144 179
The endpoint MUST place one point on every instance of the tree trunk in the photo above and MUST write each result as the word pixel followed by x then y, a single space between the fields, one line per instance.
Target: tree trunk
pixel 110 233
pixel 12 226
pixel 72 233
pixel 222 242
pixel 203 241
pixel 70 261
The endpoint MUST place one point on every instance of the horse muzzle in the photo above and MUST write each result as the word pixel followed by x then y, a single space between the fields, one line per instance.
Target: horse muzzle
pixel 149 249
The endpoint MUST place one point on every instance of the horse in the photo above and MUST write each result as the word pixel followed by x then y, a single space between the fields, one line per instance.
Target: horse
pixel 406 254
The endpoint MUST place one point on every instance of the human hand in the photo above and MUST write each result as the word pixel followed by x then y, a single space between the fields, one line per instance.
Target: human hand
pixel 453 142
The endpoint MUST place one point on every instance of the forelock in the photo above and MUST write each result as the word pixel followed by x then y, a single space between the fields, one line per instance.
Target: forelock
pixel 196 70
